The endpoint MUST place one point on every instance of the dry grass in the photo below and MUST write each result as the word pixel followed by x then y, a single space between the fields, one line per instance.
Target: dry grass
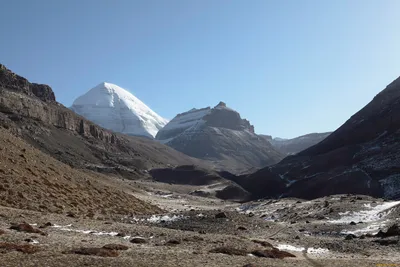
pixel 116 247
pixel 100 252
pixel 30 179
pixel 230 251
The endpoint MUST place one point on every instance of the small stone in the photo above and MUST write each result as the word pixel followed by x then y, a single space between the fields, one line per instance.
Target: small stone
pixel 173 242
pixel 353 223
pixel 297 237
pixel 71 214
pixel 138 240
pixel 242 228
pixel 350 237
pixel 221 215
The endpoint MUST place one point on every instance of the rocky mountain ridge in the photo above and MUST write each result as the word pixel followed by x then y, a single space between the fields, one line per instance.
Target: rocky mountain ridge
pixel 360 157
pixel 295 145
pixel 219 135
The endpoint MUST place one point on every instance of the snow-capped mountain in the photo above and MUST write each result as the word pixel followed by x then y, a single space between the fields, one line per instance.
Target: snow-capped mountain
pixel 295 145
pixel 219 134
pixel 114 108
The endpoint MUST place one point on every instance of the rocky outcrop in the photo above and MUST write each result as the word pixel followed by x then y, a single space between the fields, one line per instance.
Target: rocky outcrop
pixel 31 112
pixel 361 157
pixel 12 81
pixel 219 135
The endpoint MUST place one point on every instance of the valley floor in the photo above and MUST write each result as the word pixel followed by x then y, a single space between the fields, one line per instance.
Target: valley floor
pixel 323 232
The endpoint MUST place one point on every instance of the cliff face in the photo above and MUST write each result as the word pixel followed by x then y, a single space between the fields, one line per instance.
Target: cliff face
pixel 14 82
pixel 31 112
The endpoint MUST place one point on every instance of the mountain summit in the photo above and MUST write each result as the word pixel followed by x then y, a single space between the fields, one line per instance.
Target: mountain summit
pixel 220 135
pixel 115 108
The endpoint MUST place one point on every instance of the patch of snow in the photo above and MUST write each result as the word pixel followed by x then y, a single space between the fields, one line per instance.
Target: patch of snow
pixel 106 233
pixel 61 226
pixel 290 248
pixel 317 250
pixel 184 121
pixel 300 249
pixel 371 229
pixel 370 215
pixel 165 218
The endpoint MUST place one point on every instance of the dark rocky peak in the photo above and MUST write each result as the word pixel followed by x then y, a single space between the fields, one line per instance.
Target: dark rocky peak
pixel 14 82
pixel 378 118
pixel 223 117
pixel 221 104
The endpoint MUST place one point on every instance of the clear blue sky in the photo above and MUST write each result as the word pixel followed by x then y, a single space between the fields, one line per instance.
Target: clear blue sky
pixel 290 67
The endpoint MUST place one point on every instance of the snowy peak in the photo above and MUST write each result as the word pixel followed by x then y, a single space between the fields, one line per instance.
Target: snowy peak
pixel 115 108
pixel 220 116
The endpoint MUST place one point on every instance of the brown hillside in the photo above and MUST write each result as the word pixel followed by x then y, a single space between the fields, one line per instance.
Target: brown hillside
pixel 30 179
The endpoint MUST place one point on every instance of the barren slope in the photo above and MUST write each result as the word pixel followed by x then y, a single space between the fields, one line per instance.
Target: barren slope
pixel 30 179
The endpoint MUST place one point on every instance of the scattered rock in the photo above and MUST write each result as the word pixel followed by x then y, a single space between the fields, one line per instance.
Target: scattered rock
pixel 242 228
pixel 263 243
pixel 272 253
pixel 28 249
pixel 173 242
pixel 71 214
pixel 48 224
pixel 121 234
pixel 2 232
pixel 350 237
pixel 393 230
pixel 138 240
pixel 307 221
pixel 116 247
pixel 229 251
pixel 100 252
pixel 221 215
pixel 297 237
pixel 25 227
pixel 386 242
pixel 251 214
pixel 249 265
pixel 353 223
